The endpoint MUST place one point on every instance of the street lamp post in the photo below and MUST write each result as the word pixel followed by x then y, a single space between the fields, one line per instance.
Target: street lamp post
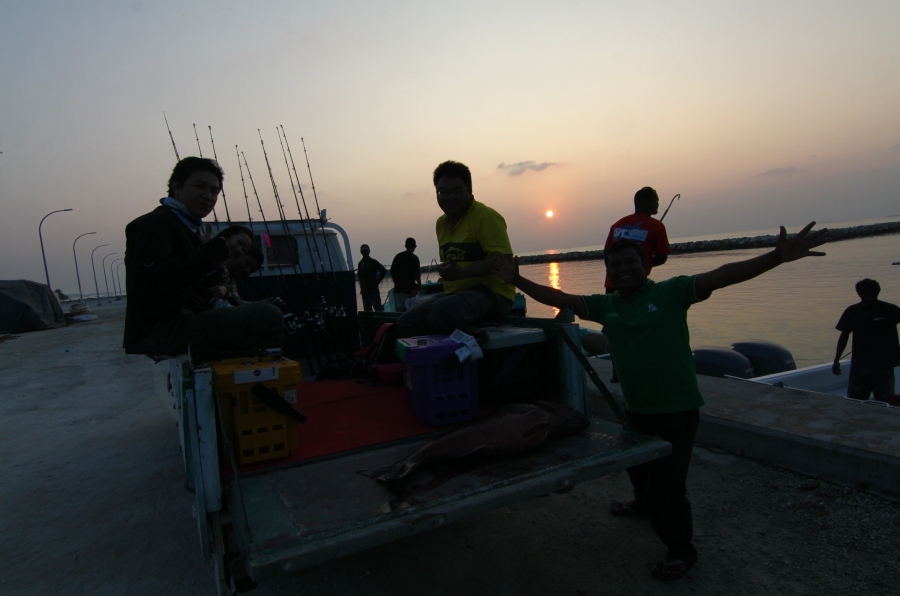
pixel 77 276
pixel 41 237
pixel 113 278
pixel 105 280
pixel 121 288
pixel 95 274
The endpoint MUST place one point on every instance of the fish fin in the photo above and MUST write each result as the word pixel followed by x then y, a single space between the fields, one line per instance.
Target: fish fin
pixel 395 471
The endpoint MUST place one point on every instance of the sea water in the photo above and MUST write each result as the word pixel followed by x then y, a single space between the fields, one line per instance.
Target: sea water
pixel 795 305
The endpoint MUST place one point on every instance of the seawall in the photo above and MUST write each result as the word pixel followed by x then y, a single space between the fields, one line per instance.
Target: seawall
pixel 835 234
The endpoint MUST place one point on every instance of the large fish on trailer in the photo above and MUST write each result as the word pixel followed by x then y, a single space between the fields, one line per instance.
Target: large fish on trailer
pixel 512 429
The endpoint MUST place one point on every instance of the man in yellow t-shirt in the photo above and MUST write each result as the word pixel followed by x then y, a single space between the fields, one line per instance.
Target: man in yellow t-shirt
pixel 468 233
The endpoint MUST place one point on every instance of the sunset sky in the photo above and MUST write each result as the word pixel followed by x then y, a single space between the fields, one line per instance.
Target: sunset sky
pixel 758 113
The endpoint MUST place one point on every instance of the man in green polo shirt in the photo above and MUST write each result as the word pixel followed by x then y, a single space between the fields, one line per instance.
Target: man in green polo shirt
pixel 469 233
pixel 646 323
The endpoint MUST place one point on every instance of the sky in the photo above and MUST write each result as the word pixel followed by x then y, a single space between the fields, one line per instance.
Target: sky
pixel 758 113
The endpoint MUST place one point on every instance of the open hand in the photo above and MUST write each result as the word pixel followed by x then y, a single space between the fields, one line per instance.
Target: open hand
pixel 505 266
pixel 797 247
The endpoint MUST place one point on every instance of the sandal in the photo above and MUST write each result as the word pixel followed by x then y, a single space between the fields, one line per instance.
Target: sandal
pixel 670 569
pixel 627 508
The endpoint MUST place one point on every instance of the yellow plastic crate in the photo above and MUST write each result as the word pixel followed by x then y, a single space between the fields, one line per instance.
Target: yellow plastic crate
pixel 258 433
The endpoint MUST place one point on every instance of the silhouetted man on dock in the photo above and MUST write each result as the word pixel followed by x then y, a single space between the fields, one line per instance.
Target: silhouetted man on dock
pixel 370 273
pixel 875 349
pixel 407 274
pixel 168 271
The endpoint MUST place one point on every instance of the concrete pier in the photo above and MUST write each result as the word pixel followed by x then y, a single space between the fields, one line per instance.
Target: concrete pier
pixel 853 443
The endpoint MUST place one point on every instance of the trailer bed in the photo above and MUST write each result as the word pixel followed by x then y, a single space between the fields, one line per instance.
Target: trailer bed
pixel 306 515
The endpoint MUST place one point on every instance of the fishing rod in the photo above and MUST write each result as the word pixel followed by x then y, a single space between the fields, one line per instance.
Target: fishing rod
pixel 337 306
pixel 244 186
pixel 216 159
pixel 297 202
pixel 313 184
pixel 171 137
pixel 670 206
pixel 267 239
pixel 287 232
pixel 321 219
pixel 268 236
pixel 309 220
pixel 200 149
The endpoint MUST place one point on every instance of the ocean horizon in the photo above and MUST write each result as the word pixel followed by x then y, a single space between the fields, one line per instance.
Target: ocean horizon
pixel 730 235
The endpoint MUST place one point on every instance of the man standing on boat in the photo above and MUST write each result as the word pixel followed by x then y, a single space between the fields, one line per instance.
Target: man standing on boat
pixel 168 270
pixel 646 323
pixel 370 273
pixel 469 233
pixel 407 274
pixel 643 229
pixel 875 349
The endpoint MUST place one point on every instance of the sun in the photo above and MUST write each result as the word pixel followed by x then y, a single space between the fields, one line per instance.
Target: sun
pixel 549 213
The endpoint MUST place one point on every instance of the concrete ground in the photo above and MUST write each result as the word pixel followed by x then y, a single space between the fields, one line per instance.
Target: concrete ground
pixel 93 502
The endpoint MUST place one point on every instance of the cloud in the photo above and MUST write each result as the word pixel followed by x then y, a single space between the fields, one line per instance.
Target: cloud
pixel 780 171
pixel 517 169
pixel 895 147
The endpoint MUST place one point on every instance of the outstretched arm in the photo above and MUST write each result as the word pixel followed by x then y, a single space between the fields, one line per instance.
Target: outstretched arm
pixel 841 345
pixel 786 250
pixel 508 270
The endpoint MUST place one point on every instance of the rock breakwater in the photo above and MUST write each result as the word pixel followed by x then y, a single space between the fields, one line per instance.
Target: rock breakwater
pixel 678 248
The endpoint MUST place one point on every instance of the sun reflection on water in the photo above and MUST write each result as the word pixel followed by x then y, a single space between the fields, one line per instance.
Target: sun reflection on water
pixel 553 278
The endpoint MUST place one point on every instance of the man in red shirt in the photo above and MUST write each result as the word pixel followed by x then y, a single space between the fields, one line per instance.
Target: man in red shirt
pixel 643 229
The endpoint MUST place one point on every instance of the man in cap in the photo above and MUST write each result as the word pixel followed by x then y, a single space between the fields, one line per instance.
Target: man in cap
pixel 407 275
pixel 370 273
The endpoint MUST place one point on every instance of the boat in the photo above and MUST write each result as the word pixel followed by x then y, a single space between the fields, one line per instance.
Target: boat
pixel 819 379
pixel 771 364
pixel 430 288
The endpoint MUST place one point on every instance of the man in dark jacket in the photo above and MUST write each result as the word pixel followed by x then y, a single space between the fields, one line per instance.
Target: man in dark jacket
pixel 407 274
pixel 370 273
pixel 168 267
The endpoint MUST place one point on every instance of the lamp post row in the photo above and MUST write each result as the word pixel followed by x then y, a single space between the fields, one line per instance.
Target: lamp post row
pixel 95 273
pixel 93 266
pixel 113 278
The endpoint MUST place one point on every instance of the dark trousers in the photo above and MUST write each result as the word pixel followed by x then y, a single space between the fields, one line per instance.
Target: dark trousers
pixel 660 486
pixel 250 327
pixel 372 301
pixel 870 381
pixel 443 313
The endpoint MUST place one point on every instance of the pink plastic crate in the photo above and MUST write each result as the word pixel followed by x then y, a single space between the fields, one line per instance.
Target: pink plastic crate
pixel 439 389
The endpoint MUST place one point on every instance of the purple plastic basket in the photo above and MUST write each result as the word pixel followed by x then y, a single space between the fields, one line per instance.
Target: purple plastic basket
pixel 439 389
